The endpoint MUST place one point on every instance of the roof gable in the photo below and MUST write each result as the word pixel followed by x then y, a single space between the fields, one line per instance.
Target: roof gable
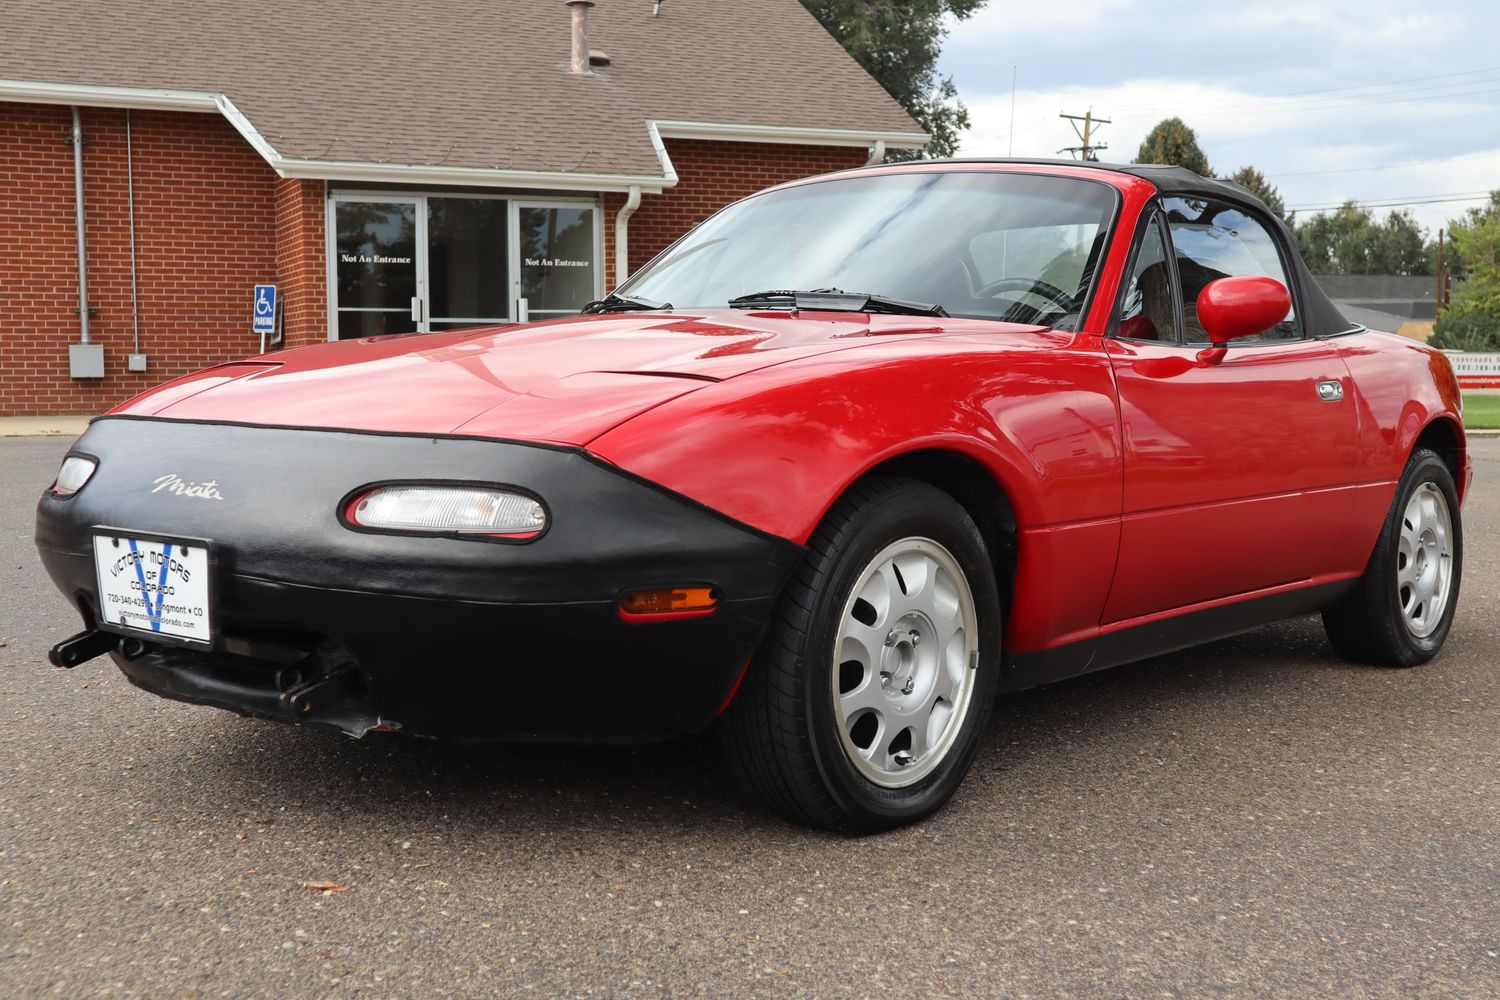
pixel 454 85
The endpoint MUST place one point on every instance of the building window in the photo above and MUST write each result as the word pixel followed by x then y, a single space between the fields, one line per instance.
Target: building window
pixel 414 263
pixel 557 258
pixel 375 263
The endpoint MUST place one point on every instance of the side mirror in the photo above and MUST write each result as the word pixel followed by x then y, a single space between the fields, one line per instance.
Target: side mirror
pixel 1241 307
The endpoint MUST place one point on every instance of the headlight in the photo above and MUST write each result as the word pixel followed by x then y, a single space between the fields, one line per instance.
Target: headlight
pixel 75 471
pixel 446 510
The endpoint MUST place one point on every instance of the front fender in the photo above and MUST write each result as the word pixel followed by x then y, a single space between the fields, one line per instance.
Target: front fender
pixel 776 449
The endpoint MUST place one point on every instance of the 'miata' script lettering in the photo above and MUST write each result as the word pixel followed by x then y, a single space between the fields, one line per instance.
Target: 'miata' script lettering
pixel 173 483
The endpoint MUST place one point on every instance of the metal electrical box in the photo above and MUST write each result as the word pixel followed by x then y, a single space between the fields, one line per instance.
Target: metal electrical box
pixel 86 360
pixel 135 362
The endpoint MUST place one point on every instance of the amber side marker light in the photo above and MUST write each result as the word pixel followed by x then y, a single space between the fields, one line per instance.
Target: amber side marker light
pixel 668 603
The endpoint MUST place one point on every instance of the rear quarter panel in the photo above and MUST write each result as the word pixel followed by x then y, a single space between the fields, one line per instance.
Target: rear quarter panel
pixel 1401 388
pixel 777 448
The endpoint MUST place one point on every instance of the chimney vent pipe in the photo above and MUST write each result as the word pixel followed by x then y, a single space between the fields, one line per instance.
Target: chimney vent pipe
pixel 581 35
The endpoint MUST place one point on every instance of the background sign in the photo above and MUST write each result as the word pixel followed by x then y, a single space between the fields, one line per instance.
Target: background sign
pixel 263 312
pixel 1474 370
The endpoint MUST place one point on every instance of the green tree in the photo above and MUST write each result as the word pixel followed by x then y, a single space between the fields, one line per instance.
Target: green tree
pixel 898 42
pixel 1472 321
pixel 1255 182
pixel 1453 257
pixel 1351 241
pixel 1171 141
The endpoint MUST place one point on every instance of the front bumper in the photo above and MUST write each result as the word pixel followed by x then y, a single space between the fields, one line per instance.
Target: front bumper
pixel 444 637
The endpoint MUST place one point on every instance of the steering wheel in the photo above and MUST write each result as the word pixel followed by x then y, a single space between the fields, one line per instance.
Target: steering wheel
pixel 1033 286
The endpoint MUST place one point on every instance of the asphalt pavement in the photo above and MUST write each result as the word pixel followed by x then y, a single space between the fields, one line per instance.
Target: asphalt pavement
pixel 1249 818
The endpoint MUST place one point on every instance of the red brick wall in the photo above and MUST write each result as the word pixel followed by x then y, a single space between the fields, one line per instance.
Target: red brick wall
pixel 301 261
pixel 711 175
pixel 205 232
pixel 212 219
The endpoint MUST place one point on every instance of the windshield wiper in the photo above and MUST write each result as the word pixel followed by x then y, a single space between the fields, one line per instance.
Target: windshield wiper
pixel 834 300
pixel 614 302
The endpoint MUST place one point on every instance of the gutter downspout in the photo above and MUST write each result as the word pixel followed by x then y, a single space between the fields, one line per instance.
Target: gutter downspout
pixel 83 270
pixel 135 308
pixel 877 154
pixel 622 234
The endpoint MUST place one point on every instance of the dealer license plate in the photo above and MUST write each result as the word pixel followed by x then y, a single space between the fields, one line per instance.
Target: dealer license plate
pixel 155 584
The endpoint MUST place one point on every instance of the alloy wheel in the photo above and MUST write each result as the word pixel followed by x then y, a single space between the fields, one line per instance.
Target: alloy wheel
pixel 905 658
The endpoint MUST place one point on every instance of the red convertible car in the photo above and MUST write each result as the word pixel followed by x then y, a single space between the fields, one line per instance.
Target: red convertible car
pixel 848 460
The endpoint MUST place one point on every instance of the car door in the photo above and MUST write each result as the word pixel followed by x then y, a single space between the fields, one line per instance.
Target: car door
pixel 1238 462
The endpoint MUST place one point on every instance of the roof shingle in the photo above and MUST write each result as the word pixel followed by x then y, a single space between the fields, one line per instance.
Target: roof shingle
pixel 456 83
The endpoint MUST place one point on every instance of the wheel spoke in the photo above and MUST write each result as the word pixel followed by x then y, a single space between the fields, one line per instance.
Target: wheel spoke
pixel 938 721
pixel 1420 594
pixel 896 600
pixel 867 639
pixel 873 601
pixel 869 695
pixel 919 734
pixel 952 667
pixel 1410 532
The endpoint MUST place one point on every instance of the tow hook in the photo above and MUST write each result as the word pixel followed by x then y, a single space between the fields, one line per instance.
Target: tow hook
pixel 303 699
pixel 81 648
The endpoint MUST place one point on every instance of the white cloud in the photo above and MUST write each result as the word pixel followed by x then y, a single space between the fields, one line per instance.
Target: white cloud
pixel 1390 86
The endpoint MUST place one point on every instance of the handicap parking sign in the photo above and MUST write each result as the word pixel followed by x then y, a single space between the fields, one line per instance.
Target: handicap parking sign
pixel 264 312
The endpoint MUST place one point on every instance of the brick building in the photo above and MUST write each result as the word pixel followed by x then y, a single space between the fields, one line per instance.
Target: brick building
pixel 389 167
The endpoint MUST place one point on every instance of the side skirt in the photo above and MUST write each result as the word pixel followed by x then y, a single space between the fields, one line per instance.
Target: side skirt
pixel 1166 635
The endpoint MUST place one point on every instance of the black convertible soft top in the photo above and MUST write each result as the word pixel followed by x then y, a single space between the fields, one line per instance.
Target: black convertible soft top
pixel 1320 317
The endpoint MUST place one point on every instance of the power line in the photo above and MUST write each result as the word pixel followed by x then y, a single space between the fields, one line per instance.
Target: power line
pixel 1387 166
pixel 1381 100
pixel 1430 200
pixel 1313 94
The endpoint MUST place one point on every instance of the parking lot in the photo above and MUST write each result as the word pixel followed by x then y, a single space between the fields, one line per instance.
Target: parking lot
pixel 1249 818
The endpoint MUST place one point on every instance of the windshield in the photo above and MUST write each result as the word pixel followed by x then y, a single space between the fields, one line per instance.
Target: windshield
pixel 986 245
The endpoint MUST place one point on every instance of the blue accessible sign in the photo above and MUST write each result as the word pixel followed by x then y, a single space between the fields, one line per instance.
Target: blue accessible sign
pixel 264 314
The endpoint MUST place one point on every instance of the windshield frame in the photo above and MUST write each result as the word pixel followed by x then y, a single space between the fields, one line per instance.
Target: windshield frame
pixel 1105 236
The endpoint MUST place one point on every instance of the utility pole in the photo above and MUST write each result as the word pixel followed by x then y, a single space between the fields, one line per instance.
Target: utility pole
pixel 1437 300
pixel 1088 148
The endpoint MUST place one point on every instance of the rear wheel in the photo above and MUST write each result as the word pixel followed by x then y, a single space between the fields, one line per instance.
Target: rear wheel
pixel 1402 608
pixel 863 709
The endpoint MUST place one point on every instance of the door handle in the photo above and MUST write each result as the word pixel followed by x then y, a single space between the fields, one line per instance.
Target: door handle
pixel 1330 390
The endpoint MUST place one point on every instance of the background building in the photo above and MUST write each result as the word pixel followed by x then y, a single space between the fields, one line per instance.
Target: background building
pixel 389 166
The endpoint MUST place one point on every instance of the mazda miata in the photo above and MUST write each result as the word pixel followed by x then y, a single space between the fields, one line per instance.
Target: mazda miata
pixel 848 460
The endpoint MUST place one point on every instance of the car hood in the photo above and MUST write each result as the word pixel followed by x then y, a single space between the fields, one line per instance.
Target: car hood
pixel 565 381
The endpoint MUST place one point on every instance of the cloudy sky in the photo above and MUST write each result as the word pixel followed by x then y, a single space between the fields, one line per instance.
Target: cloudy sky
pixel 1378 101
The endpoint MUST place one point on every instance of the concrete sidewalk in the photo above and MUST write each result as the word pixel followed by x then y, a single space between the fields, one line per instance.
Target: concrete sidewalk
pixel 69 426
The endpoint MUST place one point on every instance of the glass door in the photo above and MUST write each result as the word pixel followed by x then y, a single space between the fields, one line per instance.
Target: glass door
pixel 376 270
pixel 467 262
pixel 557 257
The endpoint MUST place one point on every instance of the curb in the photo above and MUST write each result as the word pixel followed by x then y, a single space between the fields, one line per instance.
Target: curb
pixel 69 426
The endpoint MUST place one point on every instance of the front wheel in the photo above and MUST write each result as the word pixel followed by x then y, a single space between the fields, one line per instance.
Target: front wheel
pixel 1400 611
pixel 863 709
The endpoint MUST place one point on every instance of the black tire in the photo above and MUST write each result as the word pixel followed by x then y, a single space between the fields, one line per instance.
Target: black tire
pixel 1367 625
pixel 782 734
